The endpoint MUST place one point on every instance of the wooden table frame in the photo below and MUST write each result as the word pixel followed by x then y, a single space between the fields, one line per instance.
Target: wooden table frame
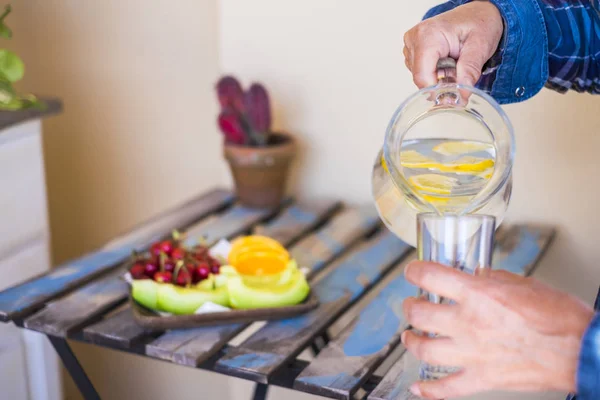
pixel 348 253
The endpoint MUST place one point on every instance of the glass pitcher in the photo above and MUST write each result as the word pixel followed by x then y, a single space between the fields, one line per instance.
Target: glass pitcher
pixel 449 148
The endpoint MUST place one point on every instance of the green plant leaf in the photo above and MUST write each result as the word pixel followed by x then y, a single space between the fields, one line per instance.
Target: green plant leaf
pixel 6 86
pixel 5 31
pixel 11 65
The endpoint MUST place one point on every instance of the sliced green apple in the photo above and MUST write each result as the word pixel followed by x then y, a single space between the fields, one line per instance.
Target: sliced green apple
pixel 181 301
pixel 175 299
pixel 244 294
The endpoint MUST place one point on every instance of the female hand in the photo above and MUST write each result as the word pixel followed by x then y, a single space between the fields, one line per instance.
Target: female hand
pixel 469 33
pixel 504 332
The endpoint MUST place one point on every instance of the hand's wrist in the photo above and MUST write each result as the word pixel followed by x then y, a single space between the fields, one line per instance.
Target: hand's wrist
pixel 565 377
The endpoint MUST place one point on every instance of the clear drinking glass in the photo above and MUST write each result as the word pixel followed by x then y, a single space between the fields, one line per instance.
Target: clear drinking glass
pixel 462 242
pixel 456 135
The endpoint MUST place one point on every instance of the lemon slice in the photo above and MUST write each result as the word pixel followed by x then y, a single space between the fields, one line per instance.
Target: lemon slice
pixel 414 159
pixel 487 174
pixel 433 183
pixel 384 164
pixel 461 147
pixel 468 164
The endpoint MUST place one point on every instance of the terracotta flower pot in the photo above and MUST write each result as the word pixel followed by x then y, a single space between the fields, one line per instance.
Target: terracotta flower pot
pixel 260 173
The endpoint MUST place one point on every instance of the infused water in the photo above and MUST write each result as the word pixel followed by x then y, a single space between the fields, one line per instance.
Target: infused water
pixel 446 174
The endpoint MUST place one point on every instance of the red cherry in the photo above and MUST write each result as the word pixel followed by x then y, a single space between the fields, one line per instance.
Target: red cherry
pixel 178 253
pixel 192 268
pixel 202 272
pixel 151 267
pixel 200 252
pixel 163 277
pixel 215 269
pixel 166 246
pixel 138 271
pixel 169 266
pixel 183 278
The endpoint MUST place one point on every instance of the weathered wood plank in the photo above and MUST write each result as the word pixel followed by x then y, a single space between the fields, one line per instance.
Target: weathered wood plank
pixel 232 222
pixel 343 230
pixel 346 227
pixel 236 221
pixel 300 217
pixel 519 250
pixel 340 369
pixel 62 316
pixel 25 298
pixel 116 330
pixel 263 353
pixel 521 247
pixel 179 345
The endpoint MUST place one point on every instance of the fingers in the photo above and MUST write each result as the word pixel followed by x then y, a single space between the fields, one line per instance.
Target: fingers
pixel 424 66
pixel 505 276
pixel 407 58
pixel 429 317
pixel 435 278
pixel 460 384
pixel 471 61
pixel 435 351
pixel 423 47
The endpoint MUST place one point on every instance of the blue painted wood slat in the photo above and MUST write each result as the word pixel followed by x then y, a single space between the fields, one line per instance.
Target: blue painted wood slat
pixel 22 299
pixel 232 222
pixel 263 353
pixel 300 217
pixel 519 250
pixel 62 316
pixel 348 360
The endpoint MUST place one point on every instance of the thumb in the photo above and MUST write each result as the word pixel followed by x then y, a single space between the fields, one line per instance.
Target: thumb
pixel 470 62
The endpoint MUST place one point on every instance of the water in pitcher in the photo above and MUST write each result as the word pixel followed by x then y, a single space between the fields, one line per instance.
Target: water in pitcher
pixel 447 174
pixel 442 175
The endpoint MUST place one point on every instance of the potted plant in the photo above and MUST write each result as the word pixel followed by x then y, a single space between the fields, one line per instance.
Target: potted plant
pixel 12 70
pixel 259 158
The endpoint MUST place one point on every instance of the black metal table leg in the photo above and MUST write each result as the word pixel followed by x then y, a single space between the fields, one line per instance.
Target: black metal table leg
pixel 72 365
pixel 260 391
pixel 319 343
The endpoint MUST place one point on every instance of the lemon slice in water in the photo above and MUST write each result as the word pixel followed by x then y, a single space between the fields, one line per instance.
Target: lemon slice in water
pixel 414 159
pixel 468 164
pixel 486 174
pixel 461 147
pixel 384 164
pixel 433 183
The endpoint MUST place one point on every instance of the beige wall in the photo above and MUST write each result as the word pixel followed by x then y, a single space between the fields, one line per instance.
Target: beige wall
pixel 137 136
pixel 137 79
pixel 138 133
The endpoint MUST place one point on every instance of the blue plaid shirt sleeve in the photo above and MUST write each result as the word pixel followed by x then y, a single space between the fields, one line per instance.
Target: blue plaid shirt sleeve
pixel 552 43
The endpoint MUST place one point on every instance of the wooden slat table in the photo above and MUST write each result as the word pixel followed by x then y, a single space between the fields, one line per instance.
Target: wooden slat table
pixel 348 253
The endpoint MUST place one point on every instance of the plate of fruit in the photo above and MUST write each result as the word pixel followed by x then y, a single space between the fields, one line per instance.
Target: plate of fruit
pixel 248 279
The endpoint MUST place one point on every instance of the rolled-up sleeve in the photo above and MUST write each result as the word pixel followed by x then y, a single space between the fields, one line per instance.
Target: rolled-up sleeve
pixel 519 69
pixel 588 372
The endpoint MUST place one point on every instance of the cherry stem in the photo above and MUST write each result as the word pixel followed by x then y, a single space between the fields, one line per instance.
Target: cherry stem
pixel 180 264
pixel 162 259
